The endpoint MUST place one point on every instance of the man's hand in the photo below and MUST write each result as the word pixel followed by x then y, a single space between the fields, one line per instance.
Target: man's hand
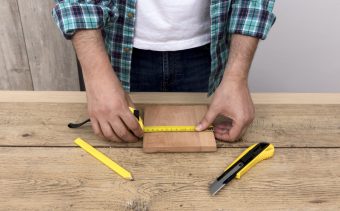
pixel 108 107
pixel 232 104
pixel 232 101
pixel 108 104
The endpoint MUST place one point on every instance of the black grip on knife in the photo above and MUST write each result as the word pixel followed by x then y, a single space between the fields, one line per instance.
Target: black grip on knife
pixel 244 161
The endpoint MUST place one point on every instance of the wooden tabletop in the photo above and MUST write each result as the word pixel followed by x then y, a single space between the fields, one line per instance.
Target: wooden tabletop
pixel 41 168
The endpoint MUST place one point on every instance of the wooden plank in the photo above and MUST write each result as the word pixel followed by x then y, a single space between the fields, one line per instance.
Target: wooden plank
pixel 68 178
pixel 44 124
pixel 176 141
pixel 43 96
pixel 52 59
pixel 14 68
pixel 170 98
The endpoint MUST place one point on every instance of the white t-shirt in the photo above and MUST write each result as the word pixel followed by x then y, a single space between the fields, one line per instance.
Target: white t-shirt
pixel 170 25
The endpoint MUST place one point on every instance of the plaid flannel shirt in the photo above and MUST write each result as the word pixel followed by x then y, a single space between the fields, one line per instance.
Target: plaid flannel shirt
pixel 116 18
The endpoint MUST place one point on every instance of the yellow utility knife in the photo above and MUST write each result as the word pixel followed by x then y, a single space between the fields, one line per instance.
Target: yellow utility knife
pixel 249 158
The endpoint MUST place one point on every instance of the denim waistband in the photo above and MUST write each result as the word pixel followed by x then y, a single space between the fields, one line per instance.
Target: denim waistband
pixel 170 71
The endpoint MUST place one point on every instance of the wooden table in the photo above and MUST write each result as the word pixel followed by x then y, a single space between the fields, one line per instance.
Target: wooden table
pixel 41 168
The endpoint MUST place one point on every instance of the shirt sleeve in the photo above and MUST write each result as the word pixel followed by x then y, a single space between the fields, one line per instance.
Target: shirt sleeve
pixel 73 15
pixel 252 17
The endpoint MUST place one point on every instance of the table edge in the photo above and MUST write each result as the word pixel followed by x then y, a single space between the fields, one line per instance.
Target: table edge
pixel 167 98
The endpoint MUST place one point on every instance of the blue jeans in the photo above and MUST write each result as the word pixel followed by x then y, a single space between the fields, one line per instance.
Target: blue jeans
pixel 170 71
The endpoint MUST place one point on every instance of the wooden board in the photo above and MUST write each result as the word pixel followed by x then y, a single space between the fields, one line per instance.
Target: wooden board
pixel 45 178
pixel 44 124
pixel 176 141
pixel 52 59
pixel 14 68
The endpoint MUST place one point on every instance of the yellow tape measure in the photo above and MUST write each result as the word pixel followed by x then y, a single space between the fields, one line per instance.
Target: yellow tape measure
pixel 172 128
pixel 151 129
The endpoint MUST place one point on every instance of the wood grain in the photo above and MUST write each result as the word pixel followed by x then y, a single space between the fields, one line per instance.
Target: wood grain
pixel 42 170
pixel 14 68
pixel 52 59
pixel 165 115
pixel 44 124
pixel 69 179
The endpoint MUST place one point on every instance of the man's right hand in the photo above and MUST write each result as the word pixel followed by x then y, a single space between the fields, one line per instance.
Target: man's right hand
pixel 108 104
pixel 109 112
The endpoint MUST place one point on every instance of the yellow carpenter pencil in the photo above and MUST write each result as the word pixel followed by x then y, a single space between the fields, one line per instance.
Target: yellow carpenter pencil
pixel 104 159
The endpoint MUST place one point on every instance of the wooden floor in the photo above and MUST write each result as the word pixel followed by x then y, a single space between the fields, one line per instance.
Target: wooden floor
pixel 41 168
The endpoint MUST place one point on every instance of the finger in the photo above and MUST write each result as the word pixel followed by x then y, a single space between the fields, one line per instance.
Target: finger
pixel 122 132
pixel 230 134
pixel 96 128
pixel 222 128
pixel 235 132
pixel 222 136
pixel 132 124
pixel 207 120
pixel 244 130
pixel 108 131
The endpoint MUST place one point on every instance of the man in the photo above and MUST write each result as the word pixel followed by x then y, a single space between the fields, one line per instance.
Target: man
pixel 162 45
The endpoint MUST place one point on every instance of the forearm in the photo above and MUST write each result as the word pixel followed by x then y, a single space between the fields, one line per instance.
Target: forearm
pixel 242 50
pixel 232 99
pixel 96 66
pixel 107 102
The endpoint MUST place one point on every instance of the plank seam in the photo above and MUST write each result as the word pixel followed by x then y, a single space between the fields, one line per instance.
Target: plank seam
pixel 24 36
pixel 124 147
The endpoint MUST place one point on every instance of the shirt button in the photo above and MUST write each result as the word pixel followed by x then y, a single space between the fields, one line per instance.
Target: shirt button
pixel 127 50
pixel 130 15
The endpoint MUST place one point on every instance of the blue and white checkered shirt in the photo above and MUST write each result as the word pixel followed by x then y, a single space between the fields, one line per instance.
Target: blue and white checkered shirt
pixel 117 20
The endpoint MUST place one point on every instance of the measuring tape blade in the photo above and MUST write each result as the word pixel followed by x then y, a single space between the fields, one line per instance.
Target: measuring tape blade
pixel 172 128
pixel 152 129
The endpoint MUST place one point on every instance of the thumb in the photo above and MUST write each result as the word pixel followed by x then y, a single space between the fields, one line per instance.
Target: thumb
pixel 207 120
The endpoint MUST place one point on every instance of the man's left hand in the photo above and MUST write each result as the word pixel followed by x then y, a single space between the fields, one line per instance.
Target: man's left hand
pixel 232 101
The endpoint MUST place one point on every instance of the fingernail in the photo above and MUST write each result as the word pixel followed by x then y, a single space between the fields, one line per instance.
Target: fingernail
pixel 199 127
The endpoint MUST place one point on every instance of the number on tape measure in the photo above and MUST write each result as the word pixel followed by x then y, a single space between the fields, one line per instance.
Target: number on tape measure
pixel 150 129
